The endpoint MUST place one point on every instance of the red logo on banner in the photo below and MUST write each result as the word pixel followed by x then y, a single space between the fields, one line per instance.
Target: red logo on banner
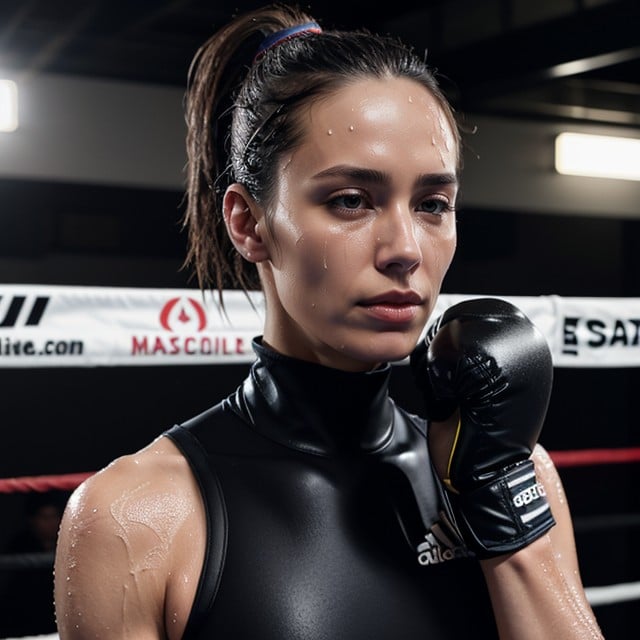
pixel 186 320
pixel 183 313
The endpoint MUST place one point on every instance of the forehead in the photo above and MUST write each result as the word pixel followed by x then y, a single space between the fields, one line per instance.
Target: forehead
pixel 389 121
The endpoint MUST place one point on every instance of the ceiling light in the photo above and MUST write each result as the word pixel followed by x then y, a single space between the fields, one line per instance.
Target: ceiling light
pixel 8 105
pixel 580 154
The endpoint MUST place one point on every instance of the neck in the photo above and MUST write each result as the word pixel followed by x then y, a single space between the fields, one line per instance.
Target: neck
pixel 318 409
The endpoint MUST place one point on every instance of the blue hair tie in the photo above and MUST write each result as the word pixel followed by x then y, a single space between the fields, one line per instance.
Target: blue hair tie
pixel 285 34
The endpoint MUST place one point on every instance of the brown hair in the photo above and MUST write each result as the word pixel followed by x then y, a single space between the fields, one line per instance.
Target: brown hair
pixel 241 117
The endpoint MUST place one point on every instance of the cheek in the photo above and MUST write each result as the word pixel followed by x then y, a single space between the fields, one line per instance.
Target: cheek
pixel 440 249
pixel 449 249
pixel 327 255
pixel 299 271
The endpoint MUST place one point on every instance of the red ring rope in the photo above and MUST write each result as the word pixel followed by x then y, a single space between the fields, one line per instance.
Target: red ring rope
pixel 25 484
pixel 575 458
pixel 584 457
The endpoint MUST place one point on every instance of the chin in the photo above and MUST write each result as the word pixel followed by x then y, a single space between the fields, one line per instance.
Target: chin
pixel 389 348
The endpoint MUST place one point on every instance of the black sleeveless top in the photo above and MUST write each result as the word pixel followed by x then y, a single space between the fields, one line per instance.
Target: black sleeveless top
pixel 317 490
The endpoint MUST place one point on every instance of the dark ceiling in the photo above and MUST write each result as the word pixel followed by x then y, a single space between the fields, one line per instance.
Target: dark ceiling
pixel 574 60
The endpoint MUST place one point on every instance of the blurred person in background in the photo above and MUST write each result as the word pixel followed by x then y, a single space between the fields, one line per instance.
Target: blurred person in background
pixel 26 602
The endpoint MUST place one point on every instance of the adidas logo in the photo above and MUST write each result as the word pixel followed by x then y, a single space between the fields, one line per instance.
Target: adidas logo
pixel 433 552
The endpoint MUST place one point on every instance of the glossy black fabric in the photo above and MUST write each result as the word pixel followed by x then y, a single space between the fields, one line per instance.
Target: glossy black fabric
pixel 305 471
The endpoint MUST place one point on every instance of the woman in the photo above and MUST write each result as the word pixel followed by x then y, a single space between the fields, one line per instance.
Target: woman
pixel 304 506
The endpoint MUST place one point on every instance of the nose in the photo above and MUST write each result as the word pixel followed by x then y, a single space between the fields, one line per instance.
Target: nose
pixel 396 245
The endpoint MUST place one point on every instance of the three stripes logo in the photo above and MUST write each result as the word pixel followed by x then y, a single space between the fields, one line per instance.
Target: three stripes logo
pixel 23 313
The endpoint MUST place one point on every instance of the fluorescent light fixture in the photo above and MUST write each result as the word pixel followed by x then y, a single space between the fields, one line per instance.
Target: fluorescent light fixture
pixel 8 105
pixel 580 154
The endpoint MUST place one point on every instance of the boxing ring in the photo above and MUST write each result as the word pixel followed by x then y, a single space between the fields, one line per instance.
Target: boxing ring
pixel 52 328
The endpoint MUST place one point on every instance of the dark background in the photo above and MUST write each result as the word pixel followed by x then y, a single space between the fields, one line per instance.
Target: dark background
pixel 505 59
pixel 498 57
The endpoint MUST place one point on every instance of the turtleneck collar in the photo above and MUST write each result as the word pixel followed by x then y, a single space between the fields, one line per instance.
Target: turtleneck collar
pixel 313 408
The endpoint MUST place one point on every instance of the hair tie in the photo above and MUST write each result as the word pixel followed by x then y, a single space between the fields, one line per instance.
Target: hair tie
pixel 286 34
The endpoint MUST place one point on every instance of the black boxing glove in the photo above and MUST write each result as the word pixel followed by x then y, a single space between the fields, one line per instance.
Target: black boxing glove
pixel 485 358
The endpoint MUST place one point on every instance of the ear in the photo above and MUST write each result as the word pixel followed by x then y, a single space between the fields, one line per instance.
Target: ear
pixel 244 218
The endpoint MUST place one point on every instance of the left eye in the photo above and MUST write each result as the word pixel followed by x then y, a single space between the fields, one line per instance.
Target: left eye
pixel 434 206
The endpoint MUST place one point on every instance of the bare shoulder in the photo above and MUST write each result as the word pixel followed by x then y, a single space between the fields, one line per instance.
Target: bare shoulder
pixel 120 541
pixel 147 488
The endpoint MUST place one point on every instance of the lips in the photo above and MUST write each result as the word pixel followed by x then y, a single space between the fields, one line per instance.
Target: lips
pixel 393 298
pixel 393 307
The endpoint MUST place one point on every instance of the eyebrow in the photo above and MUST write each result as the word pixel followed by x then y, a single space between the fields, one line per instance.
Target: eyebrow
pixel 376 177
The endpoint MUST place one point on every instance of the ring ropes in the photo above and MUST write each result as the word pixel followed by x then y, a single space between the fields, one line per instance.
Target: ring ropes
pixel 597 596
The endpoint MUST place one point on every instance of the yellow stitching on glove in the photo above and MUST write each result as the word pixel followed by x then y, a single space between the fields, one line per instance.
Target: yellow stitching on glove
pixel 447 480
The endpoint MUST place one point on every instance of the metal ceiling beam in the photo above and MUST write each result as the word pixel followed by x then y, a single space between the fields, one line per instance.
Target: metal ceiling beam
pixel 591 38
pixel 47 54
pixel 592 63
pixel 14 22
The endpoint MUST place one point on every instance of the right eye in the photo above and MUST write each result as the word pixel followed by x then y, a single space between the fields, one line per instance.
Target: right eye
pixel 348 202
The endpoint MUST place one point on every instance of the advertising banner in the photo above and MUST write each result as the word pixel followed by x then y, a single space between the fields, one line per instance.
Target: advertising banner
pixel 59 326
pixel 66 326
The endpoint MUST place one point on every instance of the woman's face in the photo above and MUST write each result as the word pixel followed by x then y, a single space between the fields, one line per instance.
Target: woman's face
pixel 363 229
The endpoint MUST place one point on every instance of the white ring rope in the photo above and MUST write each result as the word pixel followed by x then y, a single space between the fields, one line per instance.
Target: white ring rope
pixel 610 594
pixel 613 593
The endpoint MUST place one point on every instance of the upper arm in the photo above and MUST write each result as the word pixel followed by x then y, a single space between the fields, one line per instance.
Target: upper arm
pixel 561 535
pixel 108 572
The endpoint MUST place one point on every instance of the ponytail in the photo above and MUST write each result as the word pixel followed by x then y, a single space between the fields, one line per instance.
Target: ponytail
pixel 215 75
